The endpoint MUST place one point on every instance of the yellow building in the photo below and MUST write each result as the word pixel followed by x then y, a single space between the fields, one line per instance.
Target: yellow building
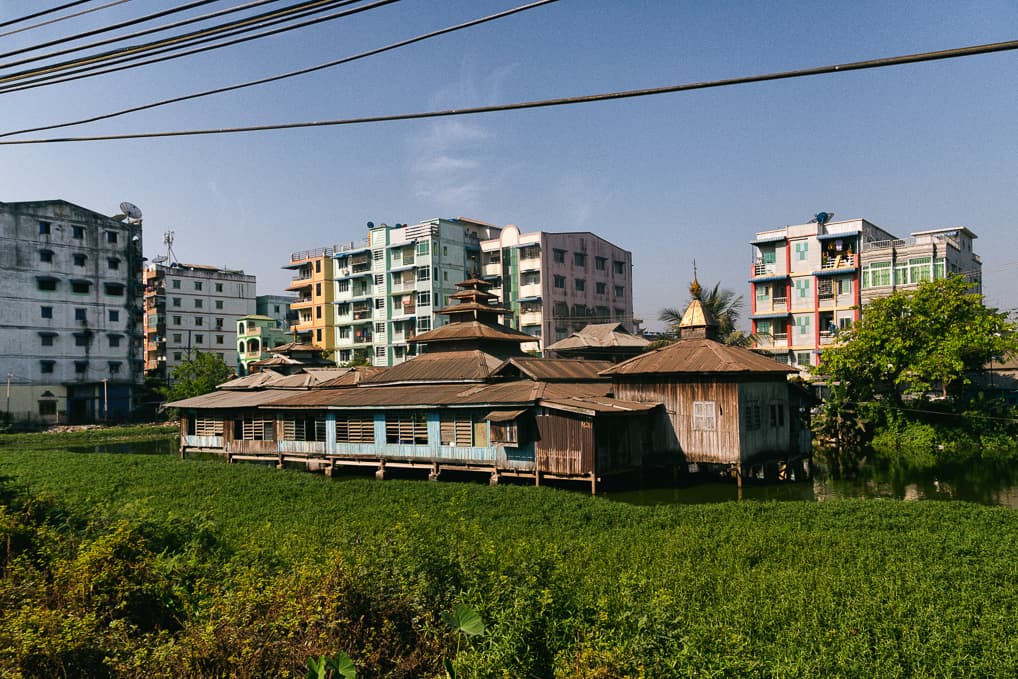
pixel 313 284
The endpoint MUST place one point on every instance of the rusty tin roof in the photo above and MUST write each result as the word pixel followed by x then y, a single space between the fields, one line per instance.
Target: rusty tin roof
pixel 699 356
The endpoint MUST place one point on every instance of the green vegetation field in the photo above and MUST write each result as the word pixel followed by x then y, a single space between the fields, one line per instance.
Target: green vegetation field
pixel 144 565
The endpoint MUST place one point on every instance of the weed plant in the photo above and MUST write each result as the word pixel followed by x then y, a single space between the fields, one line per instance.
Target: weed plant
pixel 250 571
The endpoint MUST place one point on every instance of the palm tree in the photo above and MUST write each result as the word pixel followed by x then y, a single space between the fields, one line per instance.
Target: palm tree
pixel 721 303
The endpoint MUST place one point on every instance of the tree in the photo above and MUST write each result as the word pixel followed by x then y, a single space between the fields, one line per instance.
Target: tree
pixel 721 303
pixel 901 380
pixel 912 343
pixel 198 376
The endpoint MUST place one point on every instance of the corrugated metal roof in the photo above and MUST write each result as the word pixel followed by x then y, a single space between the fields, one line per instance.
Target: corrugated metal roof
pixel 466 330
pixel 699 356
pixel 599 335
pixel 556 369
pixel 597 406
pixel 441 366
pixel 251 381
pixel 232 399
pixel 504 415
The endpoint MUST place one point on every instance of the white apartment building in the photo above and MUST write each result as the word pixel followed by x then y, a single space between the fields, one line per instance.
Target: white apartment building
pixel 70 341
pixel 191 308
pixel 387 288
pixel 557 283
pixel 904 263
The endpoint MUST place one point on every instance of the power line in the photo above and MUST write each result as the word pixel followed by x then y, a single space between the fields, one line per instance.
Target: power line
pixel 63 18
pixel 28 17
pixel 172 44
pixel 290 74
pixel 563 101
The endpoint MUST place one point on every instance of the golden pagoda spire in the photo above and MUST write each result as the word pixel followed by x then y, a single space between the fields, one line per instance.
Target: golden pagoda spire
pixel 695 290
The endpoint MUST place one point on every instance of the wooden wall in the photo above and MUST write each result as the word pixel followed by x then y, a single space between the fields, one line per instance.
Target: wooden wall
pixel 565 443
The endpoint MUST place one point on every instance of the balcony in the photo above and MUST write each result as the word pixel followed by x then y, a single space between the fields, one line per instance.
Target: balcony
pixel 302 304
pixel 828 263
pixel 777 340
pixel 252 330
pixel 765 270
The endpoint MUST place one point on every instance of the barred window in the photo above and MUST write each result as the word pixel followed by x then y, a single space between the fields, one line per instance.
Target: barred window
pixel 752 416
pixel 406 428
pixel 704 418
pixel 355 429
pixel 304 428
pixel 254 428
pixel 504 432
pixel 206 426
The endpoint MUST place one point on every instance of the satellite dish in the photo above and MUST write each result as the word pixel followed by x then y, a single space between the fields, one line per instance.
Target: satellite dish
pixel 822 218
pixel 131 210
pixel 159 259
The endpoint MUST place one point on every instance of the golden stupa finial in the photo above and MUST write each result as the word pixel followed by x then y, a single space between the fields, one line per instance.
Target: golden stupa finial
pixel 694 288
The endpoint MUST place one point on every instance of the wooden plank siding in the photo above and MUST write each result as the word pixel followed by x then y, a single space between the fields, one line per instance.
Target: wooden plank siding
pixel 565 443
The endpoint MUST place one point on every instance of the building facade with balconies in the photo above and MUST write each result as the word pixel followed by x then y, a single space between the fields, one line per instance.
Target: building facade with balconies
pixel 805 286
pixel 70 330
pixel 809 282
pixel 191 308
pixel 256 334
pixel 312 285
pixel 558 283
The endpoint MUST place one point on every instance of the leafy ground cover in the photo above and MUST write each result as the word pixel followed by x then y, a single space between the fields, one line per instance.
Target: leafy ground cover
pixel 149 565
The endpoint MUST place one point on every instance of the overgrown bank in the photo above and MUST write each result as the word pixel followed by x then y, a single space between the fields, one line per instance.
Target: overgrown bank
pixel 147 565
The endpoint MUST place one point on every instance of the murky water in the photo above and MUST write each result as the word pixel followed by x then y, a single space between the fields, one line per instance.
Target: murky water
pixel 148 447
pixel 985 484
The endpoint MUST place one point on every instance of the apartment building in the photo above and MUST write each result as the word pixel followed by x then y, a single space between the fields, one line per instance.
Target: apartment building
pixel 557 283
pixel 902 264
pixel 277 307
pixel 256 334
pixel 312 284
pixel 808 282
pixel 70 341
pixel 191 308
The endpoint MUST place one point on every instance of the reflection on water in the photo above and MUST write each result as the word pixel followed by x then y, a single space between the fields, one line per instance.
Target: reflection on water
pixel 987 484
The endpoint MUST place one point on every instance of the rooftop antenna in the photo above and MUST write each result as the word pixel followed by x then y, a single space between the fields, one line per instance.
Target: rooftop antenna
pixel 171 256
pixel 131 211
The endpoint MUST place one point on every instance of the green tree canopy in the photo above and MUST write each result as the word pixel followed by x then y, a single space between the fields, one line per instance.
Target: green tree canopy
pixel 911 343
pixel 723 304
pixel 198 376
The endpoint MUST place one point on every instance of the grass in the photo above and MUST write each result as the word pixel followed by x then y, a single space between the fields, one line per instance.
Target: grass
pixel 571 585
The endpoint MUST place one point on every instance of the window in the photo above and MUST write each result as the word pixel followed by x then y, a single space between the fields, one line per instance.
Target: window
pixel 204 426
pixel 219 339
pixel 198 303
pixel 111 237
pixel 601 263
pixel 379 352
pixel 47 284
pixel 219 304
pixel 505 432
pixel 938 267
pixel 423 299
pixel 176 320
pixel 424 273
pixel 178 338
pixel 379 328
pixel 46 312
pixel 79 259
pixel 844 286
pixel 318 311
pixel 175 283
pixel 445 250
pixel 803 358
pixel 45 228
pixel 318 335
pixel 254 428
pixel 579 259
pixel 341 286
pixel 558 256
pixel 618 267
pixel 802 250
pixel 219 323
pixel 46 340
pixel 378 255
pixel 379 279
pixel 560 282
pixel 355 429
pixel 460 429
pixel 197 285
pixel 318 289
pixel 46 256
pixel 802 288
pixel 763 293
pixel 318 266
pixel 379 303
pixel 114 367
pixel 303 428
pixel 751 416
pixel 114 315
pixel 876 275
pixel 114 289
pixel 620 291
pixel 113 263
pixel 78 232
pixel 768 256
pixel 580 284
pixel 406 428
pixel 114 341
pixel 219 287
pixel 600 288
pixel 80 287
pixel 199 321
pixel 177 356
pixel 199 339
pixel 423 247
pixel 47 408
pixel 46 367
pixel 777 415
pixel 920 269
pixel 81 367
pixel 802 324
pixel 704 417
pixel 80 314
pixel 844 324
pixel 423 324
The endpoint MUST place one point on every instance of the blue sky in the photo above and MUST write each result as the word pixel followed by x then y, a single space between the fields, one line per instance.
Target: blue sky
pixel 672 178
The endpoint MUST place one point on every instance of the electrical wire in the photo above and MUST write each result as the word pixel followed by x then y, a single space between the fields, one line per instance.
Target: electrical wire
pixel 563 101
pixel 177 51
pixel 63 18
pixel 35 15
pixel 290 74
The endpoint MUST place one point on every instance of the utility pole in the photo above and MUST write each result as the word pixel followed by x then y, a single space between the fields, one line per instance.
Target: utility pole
pixel 106 400
pixel 10 375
